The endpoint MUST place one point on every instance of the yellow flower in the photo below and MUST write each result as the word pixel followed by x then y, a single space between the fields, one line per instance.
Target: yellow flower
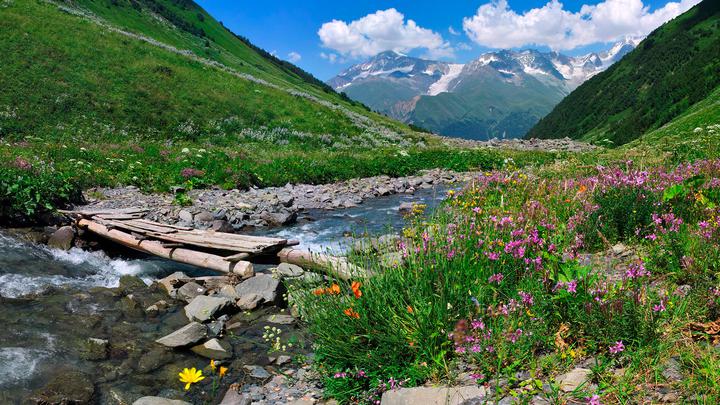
pixel 222 372
pixel 190 376
pixel 212 365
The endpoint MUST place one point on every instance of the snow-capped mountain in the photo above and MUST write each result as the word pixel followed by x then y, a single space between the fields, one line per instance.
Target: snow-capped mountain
pixel 520 85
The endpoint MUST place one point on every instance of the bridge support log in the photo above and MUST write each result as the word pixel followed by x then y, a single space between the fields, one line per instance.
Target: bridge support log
pixel 334 266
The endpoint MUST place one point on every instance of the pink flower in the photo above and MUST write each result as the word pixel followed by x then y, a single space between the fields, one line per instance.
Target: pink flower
pixel 527 298
pixel 617 347
pixel 593 400
pixel 496 278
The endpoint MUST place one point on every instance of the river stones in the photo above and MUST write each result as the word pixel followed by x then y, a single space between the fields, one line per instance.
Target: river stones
pixel 203 308
pixel 257 372
pixel 185 336
pixel 233 397
pixel 569 382
pixel 67 387
pixel 214 349
pixel 159 401
pixel 95 349
pixel 261 284
pixel 433 395
pixel 172 282
pixel 249 302
pixel 281 319
pixel 189 291
pixel 289 270
pixel 62 239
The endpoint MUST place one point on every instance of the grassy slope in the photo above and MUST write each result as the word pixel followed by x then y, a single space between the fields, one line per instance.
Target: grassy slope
pixel 124 82
pixel 675 67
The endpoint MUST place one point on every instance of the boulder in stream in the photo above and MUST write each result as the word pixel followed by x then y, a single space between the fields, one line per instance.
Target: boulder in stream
pixel 67 387
pixel 214 349
pixel 263 285
pixel 185 336
pixel 189 291
pixel 203 308
pixel 62 239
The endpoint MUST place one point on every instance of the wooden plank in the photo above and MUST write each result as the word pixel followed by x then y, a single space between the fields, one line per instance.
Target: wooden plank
pixel 237 257
pixel 207 244
pixel 200 259
pixel 180 228
pixel 151 227
pixel 236 236
pixel 108 211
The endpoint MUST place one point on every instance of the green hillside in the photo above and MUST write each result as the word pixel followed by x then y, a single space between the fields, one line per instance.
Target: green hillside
pixel 675 67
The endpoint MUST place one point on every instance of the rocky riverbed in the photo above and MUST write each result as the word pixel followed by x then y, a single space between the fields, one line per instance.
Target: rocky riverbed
pixel 227 210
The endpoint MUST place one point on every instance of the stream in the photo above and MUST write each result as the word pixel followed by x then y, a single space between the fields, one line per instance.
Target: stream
pixel 52 302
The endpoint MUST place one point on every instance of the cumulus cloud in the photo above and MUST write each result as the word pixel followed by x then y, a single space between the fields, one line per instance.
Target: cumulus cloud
pixel 332 57
pixel 294 57
pixel 452 31
pixel 496 25
pixel 384 30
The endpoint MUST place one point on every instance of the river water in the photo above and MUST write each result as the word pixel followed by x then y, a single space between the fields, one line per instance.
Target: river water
pixel 53 301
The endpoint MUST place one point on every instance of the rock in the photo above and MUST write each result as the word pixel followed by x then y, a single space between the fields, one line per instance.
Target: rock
pixel 189 291
pixel 261 284
pixel 185 216
pixel 67 387
pixel 249 302
pixel 672 370
pixel 228 290
pixel 569 382
pixel 204 216
pixel 382 190
pixel 172 282
pixel 216 328
pixel 406 208
pixel 390 260
pixel 219 225
pixel 185 336
pixel 283 359
pixel 159 401
pixel 286 200
pixel 257 372
pixel 129 284
pixel 153 360
pixel 281 319
pixel 62 239
pixel 214 349
pixel 203 308
pixel 432 395
pixel 290 270
pixel 280 218
pixel 233 397
pixel 156 309
pixel 95 349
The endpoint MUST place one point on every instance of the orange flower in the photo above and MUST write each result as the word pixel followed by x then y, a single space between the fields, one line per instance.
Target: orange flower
pixel 351 313
pixel 356 289
pixel 582 188
pixel 409 309
pixel 334 289
pixel 319 291
pixel 222 372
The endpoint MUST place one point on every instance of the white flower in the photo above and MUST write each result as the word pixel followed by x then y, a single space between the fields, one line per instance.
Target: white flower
pixel 185 150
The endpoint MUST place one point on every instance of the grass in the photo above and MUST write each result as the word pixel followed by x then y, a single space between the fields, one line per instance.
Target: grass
pixel 494 285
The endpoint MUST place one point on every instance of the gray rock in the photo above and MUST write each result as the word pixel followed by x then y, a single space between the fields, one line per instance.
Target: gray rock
pixel 382 190
pixel 406 208
pixel 432 395
pixel 219 225
pixel 62 239
pixel 204 216
pixel 283 359
pixel 289 270
pixel 172 282
pixel 672 370
pixel 233 397
pixel 571 381
pixel 263 285
pixel 214 349
pixel 185 216
pixel 280 218
pixel 185 336
pixel 249 302
pixel 203 308
pixel 189 291
pixel 228 290
pixel 67 387
pixel 257 372
pixel 159 401
pixel 281 319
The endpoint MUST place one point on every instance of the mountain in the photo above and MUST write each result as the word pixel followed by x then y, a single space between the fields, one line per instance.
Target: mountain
pixel 675 67
pixel 500 94
pixel 160 69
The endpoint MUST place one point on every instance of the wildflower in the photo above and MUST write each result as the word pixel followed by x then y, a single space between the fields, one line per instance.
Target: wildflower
pixel 334 289
pixel 351 313
pixel 527 298
pixel 661 306
pixel 356 289
pixel 496 278
pixel 593 400
pixel 213 367
pixel 571 286
pixel 191 376
pixel 477 324
pixel 477 376
pixel 410 309
pixel 617 347
pixel 223 371
pixel 340 375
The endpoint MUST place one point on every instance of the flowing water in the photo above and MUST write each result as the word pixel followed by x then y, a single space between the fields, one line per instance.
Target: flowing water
pixel 51 302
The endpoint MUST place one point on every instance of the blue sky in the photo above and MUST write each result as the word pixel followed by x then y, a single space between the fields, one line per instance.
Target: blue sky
pixel 323 37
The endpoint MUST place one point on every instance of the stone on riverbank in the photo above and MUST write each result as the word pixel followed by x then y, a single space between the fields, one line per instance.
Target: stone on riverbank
pixel 249 302
pixel 233 397
pixel 185 336
pixel 432 395
pixel 289 270
pixel 261 284
pixel 95 349
pixel 62 239
pixel 172 282
pixel 189 291
pixel 203 308
pixel 214 349
pixel 159 401
pixel 571 381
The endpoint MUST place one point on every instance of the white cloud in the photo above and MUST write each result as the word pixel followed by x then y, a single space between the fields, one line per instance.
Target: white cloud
pixel 294 57
pixel 496 25
pixel 383 30
pixel 463 46
pixel 332 57
pixel 452 31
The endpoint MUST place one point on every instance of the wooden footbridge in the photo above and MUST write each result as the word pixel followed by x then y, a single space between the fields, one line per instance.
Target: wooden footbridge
pixel 219 251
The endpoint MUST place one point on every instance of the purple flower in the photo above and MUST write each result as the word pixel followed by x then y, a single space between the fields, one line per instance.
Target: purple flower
pixel 496 278
pixel 617 347
pixel 527 298
pixel 593 400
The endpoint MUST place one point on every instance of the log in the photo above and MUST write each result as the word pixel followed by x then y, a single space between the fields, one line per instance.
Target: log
pixel 331 265
pixel 237 257
pixel 200 259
